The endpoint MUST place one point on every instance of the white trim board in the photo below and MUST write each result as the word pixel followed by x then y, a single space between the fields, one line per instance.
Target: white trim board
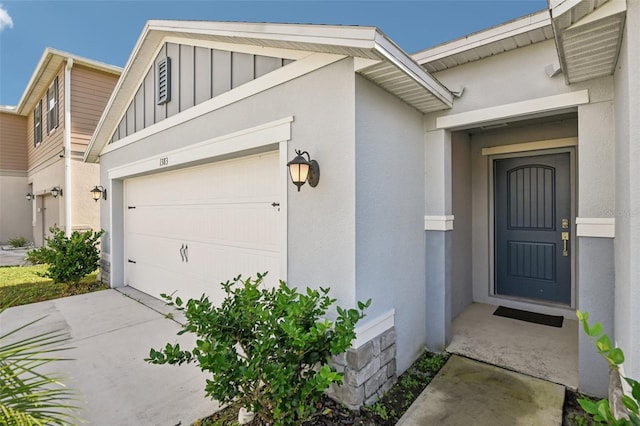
pixel 530 146
pixel 373 328
pixel 513 110
pixel 596 227
pixel 254 137
pixel 438 223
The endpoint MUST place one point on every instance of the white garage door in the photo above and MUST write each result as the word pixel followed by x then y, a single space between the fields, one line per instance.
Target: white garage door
pixel 190 229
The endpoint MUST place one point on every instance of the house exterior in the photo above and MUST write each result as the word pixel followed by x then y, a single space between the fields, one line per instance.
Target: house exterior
pixel 498 168
pixel 43 180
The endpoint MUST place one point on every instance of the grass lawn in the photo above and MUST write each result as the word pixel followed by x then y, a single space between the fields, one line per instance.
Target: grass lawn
pixel 20 285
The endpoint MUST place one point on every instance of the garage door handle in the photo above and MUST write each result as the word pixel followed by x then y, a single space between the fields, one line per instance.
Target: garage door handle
pixel 182 252
pixel 131 261
pixel 186 253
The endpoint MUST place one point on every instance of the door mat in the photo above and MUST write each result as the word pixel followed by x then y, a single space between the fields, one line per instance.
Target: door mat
pixel 550 320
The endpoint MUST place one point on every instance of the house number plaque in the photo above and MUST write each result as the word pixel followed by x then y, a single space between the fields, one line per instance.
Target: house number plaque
pixel 164 161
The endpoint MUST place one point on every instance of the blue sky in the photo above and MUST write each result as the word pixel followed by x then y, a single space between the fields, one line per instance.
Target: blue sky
pixel 107 30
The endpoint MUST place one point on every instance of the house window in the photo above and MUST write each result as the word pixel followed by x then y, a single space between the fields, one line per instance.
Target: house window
pixel 52 106
pixel 163 69
pixel 37 124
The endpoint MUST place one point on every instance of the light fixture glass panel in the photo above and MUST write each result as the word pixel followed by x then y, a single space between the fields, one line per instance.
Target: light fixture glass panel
pixel 299 172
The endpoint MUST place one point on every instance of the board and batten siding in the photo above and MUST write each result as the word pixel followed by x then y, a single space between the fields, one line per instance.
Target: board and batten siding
pixel 13 148
pixel 90 92
pixel 197 74
pixel 53 142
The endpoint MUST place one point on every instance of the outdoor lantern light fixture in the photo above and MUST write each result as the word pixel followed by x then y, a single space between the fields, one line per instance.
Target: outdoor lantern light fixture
pixel 304 170
pixel 55 191
pixel 99 192
pixel 30 196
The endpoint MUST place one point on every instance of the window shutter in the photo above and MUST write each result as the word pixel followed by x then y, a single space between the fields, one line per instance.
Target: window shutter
pixel 163 68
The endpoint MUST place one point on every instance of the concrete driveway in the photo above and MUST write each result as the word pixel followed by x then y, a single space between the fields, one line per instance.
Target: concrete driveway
pixel 111 334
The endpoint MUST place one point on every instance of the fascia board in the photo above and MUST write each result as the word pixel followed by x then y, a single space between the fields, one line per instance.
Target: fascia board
pixel 93 149
pixel 510 29
pixel 344 36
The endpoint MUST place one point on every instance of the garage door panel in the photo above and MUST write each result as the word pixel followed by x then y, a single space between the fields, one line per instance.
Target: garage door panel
pixel 222 212
pixel 232 181
pixel 247 227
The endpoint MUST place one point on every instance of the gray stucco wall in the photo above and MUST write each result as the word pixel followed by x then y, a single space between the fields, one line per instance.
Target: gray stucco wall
pixel 15 210
pixel 321 228
pixel 596 269
pixel 461 269
pixel 390 263
pixel 627 194
pixel 499 80
pixel 596 296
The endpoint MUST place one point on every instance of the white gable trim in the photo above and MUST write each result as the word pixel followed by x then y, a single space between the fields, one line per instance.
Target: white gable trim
pixel 513 110
pixel 254 137
pixel 296 69
pixel 241 48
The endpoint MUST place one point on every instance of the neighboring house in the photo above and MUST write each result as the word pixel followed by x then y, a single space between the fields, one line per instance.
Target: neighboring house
pixel 43 180
pixel 447 177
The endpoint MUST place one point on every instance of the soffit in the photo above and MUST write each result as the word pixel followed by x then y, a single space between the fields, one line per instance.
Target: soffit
pixel 512 35
pixel 588 36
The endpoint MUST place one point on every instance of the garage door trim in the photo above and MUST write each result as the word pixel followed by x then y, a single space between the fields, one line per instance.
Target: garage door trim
pixel 272 133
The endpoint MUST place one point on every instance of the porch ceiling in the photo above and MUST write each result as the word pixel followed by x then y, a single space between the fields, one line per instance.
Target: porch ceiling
pixel 588 35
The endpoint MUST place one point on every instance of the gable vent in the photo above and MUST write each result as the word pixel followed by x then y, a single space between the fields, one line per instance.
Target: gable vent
pixel 163 68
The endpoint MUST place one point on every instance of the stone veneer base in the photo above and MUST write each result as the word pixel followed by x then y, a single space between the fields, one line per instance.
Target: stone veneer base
pixel 369 371
pixel 105 271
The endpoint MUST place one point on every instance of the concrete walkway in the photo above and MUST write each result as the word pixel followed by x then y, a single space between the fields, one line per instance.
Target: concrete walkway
pixel 12 257
pixel 111 335
pixel 467 392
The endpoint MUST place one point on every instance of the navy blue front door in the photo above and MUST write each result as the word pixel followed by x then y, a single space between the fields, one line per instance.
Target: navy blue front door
pixel 532 217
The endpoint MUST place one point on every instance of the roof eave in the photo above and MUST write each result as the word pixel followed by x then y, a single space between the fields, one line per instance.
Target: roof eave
pixel 24 105
pixel 369 40
pixel 512 28
pixel 580 20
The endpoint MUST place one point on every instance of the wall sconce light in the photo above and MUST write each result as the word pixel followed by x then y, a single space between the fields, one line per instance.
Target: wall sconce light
pixel 98 192
pixel 304 170
pixel 55 191
pixel 30 196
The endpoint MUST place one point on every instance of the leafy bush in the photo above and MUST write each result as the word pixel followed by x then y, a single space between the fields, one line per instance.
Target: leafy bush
pixel 18 242
pixel 69 258
pixel 602 411
pixel 28 397
pixel 267 349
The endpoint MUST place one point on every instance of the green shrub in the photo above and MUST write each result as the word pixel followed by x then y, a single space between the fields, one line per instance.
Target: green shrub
pixel 267 349
pixel 602 411
pixel 69 258
pixel 18 242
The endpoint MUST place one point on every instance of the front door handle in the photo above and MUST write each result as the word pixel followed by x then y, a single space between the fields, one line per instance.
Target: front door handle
pixel 565 242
